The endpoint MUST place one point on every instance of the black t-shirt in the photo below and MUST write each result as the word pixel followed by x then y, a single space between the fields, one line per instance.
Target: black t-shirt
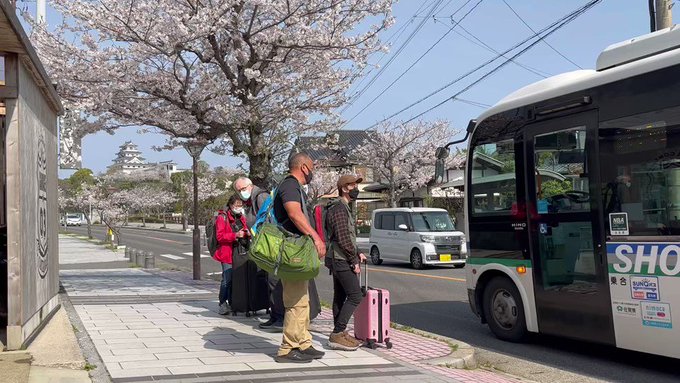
pixel 288 191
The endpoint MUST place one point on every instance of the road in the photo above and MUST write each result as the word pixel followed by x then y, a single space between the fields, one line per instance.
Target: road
pixel 435 300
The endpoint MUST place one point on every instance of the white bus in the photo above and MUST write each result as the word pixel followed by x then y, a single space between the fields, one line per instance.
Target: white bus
pixel 573 203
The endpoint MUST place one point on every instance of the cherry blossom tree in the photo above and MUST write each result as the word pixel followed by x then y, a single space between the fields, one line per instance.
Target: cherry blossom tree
pixel 82 201
pixel 403 154
pixel 324 183
pixel 247 75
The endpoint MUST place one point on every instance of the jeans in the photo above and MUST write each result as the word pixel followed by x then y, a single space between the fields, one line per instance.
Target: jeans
pixel 296 321
pixel 225 286
pixel 346 294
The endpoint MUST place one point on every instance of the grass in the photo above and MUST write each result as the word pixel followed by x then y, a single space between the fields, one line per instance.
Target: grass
pixel 75 330
pixel 325 304
pixel 89 367
pixel 134 266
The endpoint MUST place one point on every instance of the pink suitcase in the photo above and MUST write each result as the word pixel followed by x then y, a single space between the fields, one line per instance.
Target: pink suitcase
pixel 372 317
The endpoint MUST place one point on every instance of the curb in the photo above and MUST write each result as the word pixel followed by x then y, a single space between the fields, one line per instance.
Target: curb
pixel 172 231
pixel 463 358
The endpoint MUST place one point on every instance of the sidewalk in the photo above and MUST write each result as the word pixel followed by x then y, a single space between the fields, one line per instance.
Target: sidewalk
pixel 149 325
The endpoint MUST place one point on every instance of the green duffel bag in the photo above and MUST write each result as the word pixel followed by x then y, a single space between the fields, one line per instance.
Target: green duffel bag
pixel 288 256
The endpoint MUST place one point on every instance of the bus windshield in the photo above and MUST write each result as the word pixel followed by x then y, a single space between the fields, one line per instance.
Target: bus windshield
pixel 432 221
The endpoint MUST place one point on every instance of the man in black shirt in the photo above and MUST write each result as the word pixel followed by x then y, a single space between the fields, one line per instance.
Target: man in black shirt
pixel 290 211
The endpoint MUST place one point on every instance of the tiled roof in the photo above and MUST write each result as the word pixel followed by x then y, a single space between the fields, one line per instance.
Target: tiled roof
pixel 347 141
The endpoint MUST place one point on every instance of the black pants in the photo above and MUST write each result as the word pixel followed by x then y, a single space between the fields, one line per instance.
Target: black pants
pixel 346 294
pixel 277 310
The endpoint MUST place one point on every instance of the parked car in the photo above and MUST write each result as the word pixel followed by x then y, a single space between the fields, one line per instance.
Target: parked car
pixel 74 219
pixel 421 236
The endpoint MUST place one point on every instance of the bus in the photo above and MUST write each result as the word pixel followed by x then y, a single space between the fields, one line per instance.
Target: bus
pixel 572 198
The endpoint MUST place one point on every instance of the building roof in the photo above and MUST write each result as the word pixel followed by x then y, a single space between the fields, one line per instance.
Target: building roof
pixel 318 146
pixel 13 39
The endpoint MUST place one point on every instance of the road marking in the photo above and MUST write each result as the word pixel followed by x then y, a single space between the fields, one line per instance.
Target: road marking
pixel 192 254
pixel 170 256
pixel 417 275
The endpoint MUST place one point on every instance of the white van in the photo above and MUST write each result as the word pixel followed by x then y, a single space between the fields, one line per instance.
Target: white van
pixel 421 236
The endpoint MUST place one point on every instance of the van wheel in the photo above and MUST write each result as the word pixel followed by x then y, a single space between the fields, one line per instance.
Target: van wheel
pixel 504 310
pixel 375 256
pixel 416 259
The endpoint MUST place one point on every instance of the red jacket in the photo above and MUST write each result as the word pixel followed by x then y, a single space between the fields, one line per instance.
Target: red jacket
pixel 226 236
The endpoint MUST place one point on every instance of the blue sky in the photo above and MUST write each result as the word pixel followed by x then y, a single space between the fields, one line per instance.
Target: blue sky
pixel 492 22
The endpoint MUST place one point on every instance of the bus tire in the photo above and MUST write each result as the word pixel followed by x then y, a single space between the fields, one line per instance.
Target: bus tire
pixel 504 310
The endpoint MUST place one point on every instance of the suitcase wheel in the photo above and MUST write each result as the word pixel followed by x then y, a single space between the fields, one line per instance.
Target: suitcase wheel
pixel 371 344
pixel 388 344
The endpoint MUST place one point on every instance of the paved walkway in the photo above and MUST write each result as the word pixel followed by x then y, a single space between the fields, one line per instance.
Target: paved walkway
pixel 149 326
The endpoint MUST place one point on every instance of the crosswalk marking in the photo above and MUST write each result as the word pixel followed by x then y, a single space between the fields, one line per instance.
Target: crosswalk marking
pixel 170 256
pixel 202 255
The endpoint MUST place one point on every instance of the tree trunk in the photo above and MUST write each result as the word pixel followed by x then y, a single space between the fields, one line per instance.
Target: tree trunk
pixel 260 169
pixel 164 226
pixel 185 223
pixel 143 219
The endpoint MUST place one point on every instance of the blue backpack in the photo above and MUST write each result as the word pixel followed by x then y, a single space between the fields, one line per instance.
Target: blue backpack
pixel 264 214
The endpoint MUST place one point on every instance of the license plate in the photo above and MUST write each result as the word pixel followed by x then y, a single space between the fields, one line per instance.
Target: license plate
pixel 445 257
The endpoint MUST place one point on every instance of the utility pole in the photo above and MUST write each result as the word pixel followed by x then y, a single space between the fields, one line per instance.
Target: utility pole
pixel 41 11
pixel 663 15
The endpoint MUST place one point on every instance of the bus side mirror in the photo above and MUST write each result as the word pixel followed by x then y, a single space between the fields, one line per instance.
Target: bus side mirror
pixel 441 153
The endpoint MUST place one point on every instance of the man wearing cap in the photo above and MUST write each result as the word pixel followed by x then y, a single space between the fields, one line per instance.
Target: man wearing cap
pixel 345 264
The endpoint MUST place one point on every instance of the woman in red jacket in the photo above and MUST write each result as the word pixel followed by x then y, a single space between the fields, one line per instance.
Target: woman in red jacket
pixel 232 237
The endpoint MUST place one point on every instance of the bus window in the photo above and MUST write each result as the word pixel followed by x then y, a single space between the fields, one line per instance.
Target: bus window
pixel 493 178
pixel 561 180
pixel 640 168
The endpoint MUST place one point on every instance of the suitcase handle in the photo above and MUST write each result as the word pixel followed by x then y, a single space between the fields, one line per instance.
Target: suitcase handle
pixel 364 288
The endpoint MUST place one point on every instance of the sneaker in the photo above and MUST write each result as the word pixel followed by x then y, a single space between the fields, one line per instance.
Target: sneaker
pixel 352 339
pixel 294 356
pixel 224 309
pixel 342 341
pixel 272 325
pixel 314 353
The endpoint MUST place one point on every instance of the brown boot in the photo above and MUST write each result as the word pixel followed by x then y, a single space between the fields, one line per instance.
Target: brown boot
pixel 341 341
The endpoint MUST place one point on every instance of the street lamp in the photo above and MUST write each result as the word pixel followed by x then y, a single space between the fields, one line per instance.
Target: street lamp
pixel 195 148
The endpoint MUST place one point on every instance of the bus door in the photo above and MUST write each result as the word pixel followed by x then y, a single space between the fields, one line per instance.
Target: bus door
pixel 570 279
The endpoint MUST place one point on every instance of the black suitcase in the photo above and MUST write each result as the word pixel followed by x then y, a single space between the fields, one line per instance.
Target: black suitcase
pixel 249 287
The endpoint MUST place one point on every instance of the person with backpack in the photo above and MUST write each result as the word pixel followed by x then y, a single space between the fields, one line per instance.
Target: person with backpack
pixel 345 263
pixel 231 236
pixel 253 198
pixel 289 208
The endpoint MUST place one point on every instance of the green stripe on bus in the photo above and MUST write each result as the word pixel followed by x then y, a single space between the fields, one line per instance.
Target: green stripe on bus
pixel 657 272
pixel 502 261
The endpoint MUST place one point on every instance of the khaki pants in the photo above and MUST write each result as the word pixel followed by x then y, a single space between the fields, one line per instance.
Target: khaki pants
pixel 296 320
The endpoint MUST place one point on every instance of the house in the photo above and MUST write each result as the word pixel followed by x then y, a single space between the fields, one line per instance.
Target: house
pixel 335 151
pixel 29 218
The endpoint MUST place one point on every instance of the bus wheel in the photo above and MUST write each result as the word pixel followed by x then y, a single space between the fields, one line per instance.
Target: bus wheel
pixel 375 256
pixel 416 259
pixel 504 310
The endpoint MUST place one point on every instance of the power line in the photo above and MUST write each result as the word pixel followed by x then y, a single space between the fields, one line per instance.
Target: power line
pixel 480 43
pixel 393 57
pixel 564 22
pixel 419 58
pixel 544 41
pixel 396 33
pixel 486 63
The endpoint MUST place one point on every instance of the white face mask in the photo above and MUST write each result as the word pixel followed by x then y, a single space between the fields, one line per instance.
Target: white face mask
pixel 245 195
pixel 237 211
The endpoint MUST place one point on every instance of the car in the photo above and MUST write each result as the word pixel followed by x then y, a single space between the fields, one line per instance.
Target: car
pixel 74 220
pixel 420 236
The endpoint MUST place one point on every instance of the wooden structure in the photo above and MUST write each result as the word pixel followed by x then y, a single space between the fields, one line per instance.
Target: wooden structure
pixel 29 253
